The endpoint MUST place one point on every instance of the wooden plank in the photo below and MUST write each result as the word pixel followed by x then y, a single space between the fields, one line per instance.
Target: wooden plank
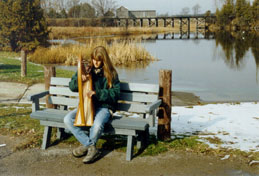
pixel 139 87
pixel 63 101
pixel 59 81
pixel 46 137
pixel 52 124
pixel 62 91
pixel 129 153
pixel 138 97
pixel 164 114
pixel 48 115
pixel 124 132
pixel 129 123
pixel 138 108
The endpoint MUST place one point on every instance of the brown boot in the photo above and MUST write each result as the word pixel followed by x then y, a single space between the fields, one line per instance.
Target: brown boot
pixel 80 151
pixel 91 155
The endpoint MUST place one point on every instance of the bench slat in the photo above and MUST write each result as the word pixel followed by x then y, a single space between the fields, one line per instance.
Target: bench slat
pixel 139 87
pixel 138 108
pixel 65 91
pixel 138 97
pixel 59 81
pixel 129 123
pixel 63 101
pixel 49 115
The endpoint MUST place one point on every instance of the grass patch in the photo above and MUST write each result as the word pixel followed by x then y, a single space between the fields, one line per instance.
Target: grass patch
pixel 10 70
pixel 15 120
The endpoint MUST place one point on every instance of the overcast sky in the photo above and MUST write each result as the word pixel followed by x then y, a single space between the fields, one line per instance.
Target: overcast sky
pixel 171 7
pixel 167 6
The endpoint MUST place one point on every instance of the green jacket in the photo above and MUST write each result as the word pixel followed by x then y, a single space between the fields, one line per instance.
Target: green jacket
pixel 105 97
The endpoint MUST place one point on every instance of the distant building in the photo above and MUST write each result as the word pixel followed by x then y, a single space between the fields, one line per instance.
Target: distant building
pixel 123 12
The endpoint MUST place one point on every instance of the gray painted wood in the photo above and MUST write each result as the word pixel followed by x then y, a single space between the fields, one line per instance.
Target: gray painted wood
pixel 138 97
pixel 59 81
pixel 46 137
pixel 49 115
pixel 53 124
pixel 138 108
pixel 125 132
pixel 64 91
pixel 129 123
pixel 129 153
pixel 153 106
pixel 35 105
pixel 37 96
pixel 63 101
pixel 60 132
pixel 140 87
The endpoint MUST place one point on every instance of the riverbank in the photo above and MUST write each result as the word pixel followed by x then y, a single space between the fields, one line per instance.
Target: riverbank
pixel 11 92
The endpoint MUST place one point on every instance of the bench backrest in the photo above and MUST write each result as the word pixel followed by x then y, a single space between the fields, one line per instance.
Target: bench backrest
pixel 134 97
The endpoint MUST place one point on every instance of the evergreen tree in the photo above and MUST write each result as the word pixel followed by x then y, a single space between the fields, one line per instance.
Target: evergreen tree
pixel 84 10
pixel 22 24
pixel 226 14
pixel 243 12
pixel 255 11
pixel 63 13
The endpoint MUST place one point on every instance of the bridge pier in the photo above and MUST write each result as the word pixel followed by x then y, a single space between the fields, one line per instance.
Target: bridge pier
pixel 172 22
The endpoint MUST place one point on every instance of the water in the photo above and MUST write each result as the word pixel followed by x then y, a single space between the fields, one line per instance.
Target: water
pixel 220 67
pixel 214 70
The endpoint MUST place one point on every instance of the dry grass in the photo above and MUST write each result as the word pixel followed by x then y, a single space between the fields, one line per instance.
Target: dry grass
pixel 122 53
pixel 72 32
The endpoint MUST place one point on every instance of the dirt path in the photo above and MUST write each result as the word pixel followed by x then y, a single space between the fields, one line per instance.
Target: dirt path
pixel 57 160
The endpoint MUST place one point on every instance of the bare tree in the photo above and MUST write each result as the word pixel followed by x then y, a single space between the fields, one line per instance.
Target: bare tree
pixel 185 11
pixel 196 9
pixel 104 6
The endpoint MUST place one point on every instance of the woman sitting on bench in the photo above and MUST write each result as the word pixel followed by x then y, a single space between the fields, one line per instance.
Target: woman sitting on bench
pixel 105 94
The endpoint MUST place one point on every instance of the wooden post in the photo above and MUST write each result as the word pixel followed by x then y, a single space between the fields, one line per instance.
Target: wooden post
pixel 49 71
pixel 23 63
pixel 164 114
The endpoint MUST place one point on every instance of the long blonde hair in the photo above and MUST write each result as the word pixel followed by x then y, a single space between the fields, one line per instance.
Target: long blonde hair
pixel 100 53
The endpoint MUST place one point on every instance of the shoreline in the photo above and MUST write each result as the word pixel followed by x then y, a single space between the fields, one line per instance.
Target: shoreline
pixel 20 91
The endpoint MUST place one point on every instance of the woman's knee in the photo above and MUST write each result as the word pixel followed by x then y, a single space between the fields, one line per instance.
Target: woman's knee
pixel 69 118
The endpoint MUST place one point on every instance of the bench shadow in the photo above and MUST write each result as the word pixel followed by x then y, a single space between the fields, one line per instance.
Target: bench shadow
pixel 5 67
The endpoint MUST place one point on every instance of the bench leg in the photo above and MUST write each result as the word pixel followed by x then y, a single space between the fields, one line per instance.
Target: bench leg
pixel 60 133
pixel 143 138
pixel 129 153
pixel 46 137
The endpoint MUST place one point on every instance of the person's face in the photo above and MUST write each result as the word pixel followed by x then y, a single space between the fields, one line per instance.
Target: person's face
pixel 97 63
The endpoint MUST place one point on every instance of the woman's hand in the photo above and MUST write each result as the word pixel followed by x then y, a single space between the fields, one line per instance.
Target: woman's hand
pixel 85 77
pixel 90 93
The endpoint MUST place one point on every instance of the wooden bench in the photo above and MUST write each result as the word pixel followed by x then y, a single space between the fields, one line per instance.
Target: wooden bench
pixel 134 98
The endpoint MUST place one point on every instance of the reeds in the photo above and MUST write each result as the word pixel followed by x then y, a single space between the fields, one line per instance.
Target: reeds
pixel 122 53
pixel 73 32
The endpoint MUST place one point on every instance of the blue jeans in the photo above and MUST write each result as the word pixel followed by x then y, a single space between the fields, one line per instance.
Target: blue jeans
pixel 102 116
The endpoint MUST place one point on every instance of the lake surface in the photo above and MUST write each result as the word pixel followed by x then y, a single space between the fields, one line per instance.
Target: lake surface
pixel 212 69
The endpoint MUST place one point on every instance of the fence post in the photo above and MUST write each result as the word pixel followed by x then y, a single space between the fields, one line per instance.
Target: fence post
pixel 164 113
pixel 49 71
pixel 23 62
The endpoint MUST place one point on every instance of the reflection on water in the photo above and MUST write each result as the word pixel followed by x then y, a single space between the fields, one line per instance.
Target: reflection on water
pixel 220 69
pixel 235 47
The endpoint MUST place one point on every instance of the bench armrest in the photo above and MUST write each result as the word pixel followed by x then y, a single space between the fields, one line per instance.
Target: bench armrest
pixel 35 100
pixel 37 96
pixel 153 106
